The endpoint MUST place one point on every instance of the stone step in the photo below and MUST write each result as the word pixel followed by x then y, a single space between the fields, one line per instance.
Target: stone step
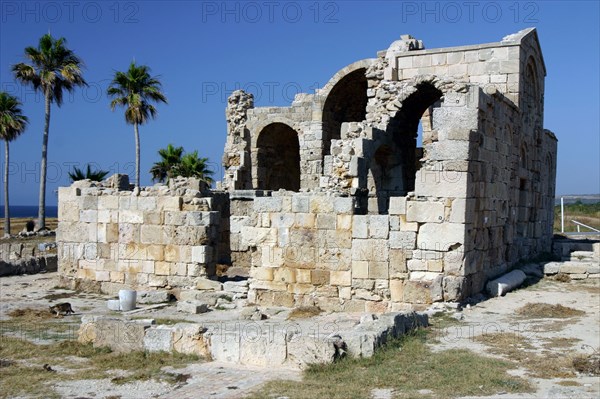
pixel 581 256
pixel 588 269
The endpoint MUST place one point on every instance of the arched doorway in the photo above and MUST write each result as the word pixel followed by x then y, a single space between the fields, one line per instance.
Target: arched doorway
pixel 278 158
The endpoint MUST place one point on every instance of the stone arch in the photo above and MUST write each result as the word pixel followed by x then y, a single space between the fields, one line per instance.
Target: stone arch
pixel 277 156
pixel 403 129
pixel 397 147
pixel 343 99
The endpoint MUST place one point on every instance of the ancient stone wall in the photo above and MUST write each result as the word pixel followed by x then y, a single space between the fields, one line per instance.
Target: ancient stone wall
pixel 409 178
pixel 155 238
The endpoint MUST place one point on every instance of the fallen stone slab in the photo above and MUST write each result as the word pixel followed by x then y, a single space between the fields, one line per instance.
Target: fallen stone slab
pixel 193 307
pixel 152 297
pixel 118 334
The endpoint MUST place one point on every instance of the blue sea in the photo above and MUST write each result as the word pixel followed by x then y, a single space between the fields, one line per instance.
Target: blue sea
pixel 28 211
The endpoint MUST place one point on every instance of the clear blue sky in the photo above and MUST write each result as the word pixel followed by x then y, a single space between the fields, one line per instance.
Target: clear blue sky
pixel 204 50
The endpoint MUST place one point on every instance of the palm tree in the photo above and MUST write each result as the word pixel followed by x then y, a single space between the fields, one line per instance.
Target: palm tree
pixel 134 90
pixel 12 124
pixel 96 175
pixel 192 166
pixel 53 68
pixel 170 158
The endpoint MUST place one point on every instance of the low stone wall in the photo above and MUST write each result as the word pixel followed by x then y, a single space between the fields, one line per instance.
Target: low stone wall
pixel 30 265
pixel 294 344
pixel 156 237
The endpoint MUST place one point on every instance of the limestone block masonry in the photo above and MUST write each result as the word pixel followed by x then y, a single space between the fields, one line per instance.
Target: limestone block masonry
pixel 409 178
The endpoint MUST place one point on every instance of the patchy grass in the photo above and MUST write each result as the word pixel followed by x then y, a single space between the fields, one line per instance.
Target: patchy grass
pixel 30 314
pixel 560 342
pixel 25 374
pixel 405 365
pixel 547 311
pixel 517 348
pixel 562 277
pixel 39 324
pixel 304 312
pixel 62 295
pixel 568 383
pixel 588 364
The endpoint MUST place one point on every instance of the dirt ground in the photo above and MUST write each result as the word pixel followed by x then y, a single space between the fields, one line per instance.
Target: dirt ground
pixel 491 327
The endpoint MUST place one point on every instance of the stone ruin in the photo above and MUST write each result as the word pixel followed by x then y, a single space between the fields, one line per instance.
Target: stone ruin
pixel 409 178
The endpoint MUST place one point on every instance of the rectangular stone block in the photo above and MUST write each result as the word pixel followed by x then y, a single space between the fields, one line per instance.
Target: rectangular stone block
pixel 397 290
pixel 326 222
pixel 305 220
pixel 321 204
pixel 379 226
pixel 424 212
pixel 202 254
pixel 343 278
pixel 162 268
pixel 268 204
pixel 360 269
pixel 127 216
pixel 406 240
pixel 344 205
pixel 360 226
pixel 397 206
pixel 319 277
pixel 193 307
pixel 284 274
pixel 440 237
pixel 262 273
pixel 344 222
pixel 300 204
pixel 438 184
pixel 303 276
pixel 379 270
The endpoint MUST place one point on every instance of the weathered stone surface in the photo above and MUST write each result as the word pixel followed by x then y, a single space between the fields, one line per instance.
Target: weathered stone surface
pixel 149 297
pixel 193 307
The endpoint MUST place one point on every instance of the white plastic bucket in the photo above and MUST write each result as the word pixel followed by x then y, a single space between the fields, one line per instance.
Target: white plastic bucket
pixel 127 299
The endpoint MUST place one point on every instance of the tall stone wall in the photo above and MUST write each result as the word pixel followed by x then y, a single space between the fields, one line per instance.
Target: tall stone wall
pixel 119 238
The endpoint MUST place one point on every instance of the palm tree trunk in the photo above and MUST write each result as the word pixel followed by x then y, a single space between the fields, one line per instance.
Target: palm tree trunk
pixel 43 167
pixel 137 154
pixel 6 208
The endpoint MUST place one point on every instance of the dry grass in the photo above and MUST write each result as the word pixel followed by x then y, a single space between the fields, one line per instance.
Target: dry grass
pixel 560 342
pixel 588 364
pixel 25 374
pixel 18 224
pixel 304 312
pixel 518 349
pixel 406 365
pixel 545 310
pixel 562 277
pixel 568 383
pixel 30 314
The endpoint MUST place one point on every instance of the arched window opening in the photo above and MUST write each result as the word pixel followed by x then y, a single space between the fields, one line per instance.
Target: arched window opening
pixel 346 102
pixel 278 158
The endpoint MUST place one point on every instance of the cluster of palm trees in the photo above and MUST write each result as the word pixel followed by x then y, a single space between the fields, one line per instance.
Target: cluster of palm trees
pixel 174 163
pixel 51 69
